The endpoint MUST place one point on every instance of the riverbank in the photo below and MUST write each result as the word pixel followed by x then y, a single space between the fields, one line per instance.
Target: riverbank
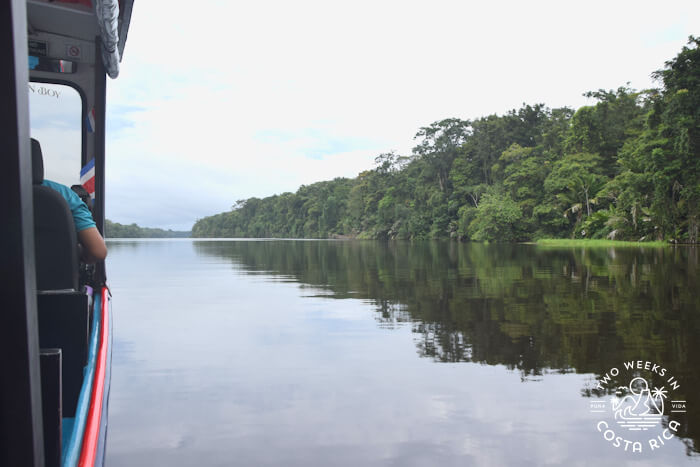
pixel 593 243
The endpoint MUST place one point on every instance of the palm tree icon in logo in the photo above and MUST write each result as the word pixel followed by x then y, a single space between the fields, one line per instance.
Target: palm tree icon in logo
pixel 642 408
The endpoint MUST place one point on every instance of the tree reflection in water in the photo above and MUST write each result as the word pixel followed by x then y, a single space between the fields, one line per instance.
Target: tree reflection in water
pixel 532 309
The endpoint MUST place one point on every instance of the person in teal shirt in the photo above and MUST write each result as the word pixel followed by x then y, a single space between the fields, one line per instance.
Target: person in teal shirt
pixel 94 248
pixel 82 218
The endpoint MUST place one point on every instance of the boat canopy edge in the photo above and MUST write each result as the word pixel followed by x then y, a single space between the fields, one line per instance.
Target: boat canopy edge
pixel 107 12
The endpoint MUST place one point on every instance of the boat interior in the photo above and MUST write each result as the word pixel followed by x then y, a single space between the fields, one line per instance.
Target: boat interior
pixel 74 44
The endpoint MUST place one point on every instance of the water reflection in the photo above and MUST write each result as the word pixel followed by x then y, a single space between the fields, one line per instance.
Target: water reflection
pixel 531 309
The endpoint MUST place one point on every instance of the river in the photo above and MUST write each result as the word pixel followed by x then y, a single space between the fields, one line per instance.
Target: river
pixel 354 353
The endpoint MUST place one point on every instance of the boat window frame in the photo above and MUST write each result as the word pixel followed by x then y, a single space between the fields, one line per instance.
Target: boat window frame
pixel 83 112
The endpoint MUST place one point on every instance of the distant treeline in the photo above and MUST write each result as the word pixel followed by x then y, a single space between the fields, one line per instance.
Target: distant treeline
pixel 117 230
pixel 627 167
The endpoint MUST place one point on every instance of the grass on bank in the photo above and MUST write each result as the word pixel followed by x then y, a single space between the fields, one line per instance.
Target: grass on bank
pixel 593 243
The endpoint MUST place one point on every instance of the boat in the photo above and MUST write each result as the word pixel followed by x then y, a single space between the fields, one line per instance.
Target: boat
pixel 55 317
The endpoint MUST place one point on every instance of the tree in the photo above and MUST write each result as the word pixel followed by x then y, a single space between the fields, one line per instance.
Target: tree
pixel 439 146
pixel 572 184
pixel 627 166
pixel 679 117
pixel 497 218
pixel 602 129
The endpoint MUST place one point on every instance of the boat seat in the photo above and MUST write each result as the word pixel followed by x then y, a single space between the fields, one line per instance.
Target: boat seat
pixel 63 310
pixel 55 239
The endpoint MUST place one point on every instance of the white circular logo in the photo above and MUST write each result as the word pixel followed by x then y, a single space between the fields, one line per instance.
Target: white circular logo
pixel 632 417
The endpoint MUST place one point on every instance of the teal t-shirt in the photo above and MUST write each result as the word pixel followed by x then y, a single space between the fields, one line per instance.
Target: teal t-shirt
pixel 81 214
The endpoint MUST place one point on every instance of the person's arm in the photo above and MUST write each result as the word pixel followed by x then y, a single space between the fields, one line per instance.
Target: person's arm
pixel 94 248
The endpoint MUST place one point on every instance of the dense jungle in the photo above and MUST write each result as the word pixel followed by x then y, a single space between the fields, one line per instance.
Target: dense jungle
pixel 626 167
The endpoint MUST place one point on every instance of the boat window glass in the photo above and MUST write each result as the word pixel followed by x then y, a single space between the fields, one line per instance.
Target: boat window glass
pixel 55 114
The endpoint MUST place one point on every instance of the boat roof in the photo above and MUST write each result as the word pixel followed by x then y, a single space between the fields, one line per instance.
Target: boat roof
pixel 75 20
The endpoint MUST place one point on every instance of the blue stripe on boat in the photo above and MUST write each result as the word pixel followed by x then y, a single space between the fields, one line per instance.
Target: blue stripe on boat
pixel 67 427
pixel 71 455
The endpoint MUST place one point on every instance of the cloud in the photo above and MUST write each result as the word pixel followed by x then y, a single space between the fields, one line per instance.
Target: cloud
pixel 237 99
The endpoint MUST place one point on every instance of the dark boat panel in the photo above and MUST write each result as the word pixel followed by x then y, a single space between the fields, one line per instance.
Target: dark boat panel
pixel 20 395
pixel 50 360
pixel 63 324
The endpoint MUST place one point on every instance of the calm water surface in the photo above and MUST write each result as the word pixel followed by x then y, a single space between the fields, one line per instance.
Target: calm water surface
pixel 323 353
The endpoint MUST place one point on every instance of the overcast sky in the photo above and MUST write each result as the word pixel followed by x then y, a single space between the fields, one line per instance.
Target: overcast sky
pixel 221 100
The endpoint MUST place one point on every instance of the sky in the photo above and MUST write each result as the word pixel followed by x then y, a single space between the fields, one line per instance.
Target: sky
pixel 225 100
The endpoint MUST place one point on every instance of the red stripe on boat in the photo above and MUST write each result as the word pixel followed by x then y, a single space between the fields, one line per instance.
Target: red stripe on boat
pixel 92 427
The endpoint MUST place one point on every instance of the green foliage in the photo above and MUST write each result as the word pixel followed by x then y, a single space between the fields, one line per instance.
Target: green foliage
pixel 497 218
pixel 626 167
pixel 657 193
